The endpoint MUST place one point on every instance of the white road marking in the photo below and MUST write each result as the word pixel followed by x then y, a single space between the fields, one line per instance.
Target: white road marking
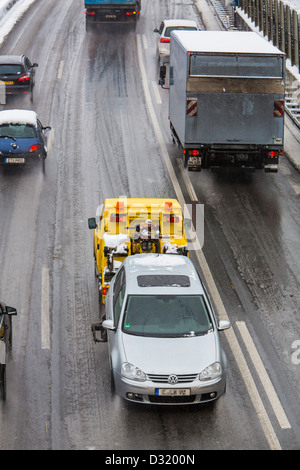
pixel 45 309
pixel 50 140
pixel 60 69
pixel 145 43
pixel 287 173
pixel 230 335
pixel 187 181
pixel 260 369
pixel 73 27
pixel 156 93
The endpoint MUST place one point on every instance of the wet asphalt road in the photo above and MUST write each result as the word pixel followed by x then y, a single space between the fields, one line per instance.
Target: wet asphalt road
pixel 91 89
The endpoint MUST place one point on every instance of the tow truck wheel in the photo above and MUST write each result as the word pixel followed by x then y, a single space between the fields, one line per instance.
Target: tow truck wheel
pixel 3 382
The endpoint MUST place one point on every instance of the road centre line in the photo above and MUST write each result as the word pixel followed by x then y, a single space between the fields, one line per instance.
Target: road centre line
pixel 230 335
pixel 45 309
pixel 262 373
pixel 60 69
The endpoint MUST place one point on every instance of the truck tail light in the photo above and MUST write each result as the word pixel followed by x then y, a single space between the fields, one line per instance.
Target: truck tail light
pixel 163 40
pixel 273 153
pixel 105 290
pixel 130 13
pixel 118 218
pixel 171 219
pixel 192 153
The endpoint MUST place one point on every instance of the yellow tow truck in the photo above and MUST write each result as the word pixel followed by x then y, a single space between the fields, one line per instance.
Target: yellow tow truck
pixel 128 226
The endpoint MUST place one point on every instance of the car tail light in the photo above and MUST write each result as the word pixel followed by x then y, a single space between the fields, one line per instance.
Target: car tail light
pixel 130 13
pixel 33 148
pixel 24 78
pixel 164 40
pixel 91 13
pixel 273 153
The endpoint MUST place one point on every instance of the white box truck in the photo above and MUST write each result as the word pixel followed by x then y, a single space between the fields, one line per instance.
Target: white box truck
pixel 226 97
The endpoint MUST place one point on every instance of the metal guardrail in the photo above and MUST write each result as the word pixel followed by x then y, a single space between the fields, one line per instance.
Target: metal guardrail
pixel 278 21
pixel 279 24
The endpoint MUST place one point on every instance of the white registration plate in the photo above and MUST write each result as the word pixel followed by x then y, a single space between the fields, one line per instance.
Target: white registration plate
pixel 172 392
pixel 14 160
pixel 111 17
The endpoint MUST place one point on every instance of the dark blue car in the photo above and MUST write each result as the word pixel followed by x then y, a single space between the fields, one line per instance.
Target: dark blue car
pixel 23 139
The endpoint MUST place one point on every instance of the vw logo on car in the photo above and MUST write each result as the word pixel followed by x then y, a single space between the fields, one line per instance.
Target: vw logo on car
pixel 172 379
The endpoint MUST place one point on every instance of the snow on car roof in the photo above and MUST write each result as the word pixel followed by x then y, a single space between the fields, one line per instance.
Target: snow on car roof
pixel 235 42
pixel 18 116
pixel 154 264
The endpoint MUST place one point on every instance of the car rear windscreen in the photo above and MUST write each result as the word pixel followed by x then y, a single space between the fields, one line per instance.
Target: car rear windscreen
pixel 10 69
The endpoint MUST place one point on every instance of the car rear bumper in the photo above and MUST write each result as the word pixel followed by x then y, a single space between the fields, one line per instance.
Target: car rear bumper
pixel 20 159
pixel 15 90
pixel 107 15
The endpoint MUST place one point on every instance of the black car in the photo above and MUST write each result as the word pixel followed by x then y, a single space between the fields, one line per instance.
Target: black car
pixel 17 74
pixel 5 342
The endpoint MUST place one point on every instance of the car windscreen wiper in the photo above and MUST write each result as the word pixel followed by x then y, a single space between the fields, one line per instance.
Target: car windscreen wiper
pixel 8 137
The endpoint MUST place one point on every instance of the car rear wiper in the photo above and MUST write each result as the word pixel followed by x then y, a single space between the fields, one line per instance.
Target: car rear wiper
pixel 8 137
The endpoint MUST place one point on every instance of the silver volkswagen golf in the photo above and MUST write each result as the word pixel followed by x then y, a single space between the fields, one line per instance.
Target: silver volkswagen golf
pixel 163 335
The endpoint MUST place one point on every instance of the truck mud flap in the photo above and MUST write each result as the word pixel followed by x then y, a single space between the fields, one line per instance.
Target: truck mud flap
pixel 99 333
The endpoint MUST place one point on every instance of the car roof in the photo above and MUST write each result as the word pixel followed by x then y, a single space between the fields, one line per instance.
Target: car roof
pixel 11 59
pixel 180 22
pixel 153 264
pixel 18 116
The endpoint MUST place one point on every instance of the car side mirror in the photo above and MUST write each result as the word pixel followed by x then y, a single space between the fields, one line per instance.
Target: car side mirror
pixel 47 128
pixel 162 75
pixel 224 325
pixel 35 64
pixel 10 310
pixel 92 223
pixel 155 30
pixel 108 324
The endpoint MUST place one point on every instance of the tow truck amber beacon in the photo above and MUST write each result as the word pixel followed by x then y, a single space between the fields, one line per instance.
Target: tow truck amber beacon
pixel 128 226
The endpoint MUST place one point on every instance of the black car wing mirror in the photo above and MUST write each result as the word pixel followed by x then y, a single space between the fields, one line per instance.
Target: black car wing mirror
pixel 92 223
pixel 10 310
pixel 162 75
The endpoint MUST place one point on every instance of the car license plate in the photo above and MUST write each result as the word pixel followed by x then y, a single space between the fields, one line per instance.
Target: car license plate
pixel 113 17
pixel 15 160
pixel 172 392
pixel 8 83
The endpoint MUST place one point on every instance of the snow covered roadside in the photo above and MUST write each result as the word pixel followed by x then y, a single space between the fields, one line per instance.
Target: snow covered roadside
pixel 10 12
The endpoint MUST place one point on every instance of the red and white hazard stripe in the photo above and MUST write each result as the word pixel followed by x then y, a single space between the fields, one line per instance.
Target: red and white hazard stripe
pixel 191 107
pixel 278 108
